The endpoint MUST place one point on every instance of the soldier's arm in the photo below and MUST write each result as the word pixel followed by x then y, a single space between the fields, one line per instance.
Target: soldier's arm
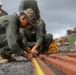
pixel 33 50
pixel 39 41
pixel 28 44
pixel 12 38
pixel 42 26
pixel 39 36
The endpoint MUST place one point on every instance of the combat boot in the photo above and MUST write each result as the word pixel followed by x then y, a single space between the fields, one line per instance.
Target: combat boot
pixel 2 59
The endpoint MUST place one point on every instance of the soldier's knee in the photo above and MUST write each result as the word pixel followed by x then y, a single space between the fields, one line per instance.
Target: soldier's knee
pixel 49 35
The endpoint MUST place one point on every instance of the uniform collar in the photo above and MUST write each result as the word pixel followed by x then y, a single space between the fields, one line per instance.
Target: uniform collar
pixel 18 20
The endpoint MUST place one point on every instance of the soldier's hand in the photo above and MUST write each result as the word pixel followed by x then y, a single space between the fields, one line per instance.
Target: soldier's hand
pixel 30 56
pixel 33 51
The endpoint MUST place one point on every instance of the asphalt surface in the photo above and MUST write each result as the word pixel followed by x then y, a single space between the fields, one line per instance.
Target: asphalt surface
pixel 21 67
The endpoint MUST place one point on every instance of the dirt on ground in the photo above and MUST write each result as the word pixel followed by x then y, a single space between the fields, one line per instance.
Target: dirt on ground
pixel 21 67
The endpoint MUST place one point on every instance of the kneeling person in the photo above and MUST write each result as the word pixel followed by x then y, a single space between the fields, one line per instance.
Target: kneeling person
pixel 10 37
pixel 35 39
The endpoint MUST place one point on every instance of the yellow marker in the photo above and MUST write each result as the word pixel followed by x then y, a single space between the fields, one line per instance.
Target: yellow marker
pixel 38 68
pixel 75 42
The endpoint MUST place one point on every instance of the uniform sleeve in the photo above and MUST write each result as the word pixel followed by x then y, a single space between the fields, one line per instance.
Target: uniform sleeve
pixel 39 36
pixel 12 38
pixel 28 44
pixel 42 26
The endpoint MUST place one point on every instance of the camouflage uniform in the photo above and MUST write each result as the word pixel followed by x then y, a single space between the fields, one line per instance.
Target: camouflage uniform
pixel 3 13
pixel 34 36
pixel 42 26
pixel 24 4
pixel 10 40
pixel 31 38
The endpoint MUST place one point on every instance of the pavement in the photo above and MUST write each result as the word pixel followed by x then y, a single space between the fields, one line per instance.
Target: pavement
pixel 21 67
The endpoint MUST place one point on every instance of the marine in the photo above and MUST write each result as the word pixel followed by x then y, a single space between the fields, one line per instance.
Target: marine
pixel 10 37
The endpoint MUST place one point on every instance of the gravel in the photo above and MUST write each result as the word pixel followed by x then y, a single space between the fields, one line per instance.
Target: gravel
pixel 21 67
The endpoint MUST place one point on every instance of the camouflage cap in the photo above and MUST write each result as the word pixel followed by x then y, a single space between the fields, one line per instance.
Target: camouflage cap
pixel 30 15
